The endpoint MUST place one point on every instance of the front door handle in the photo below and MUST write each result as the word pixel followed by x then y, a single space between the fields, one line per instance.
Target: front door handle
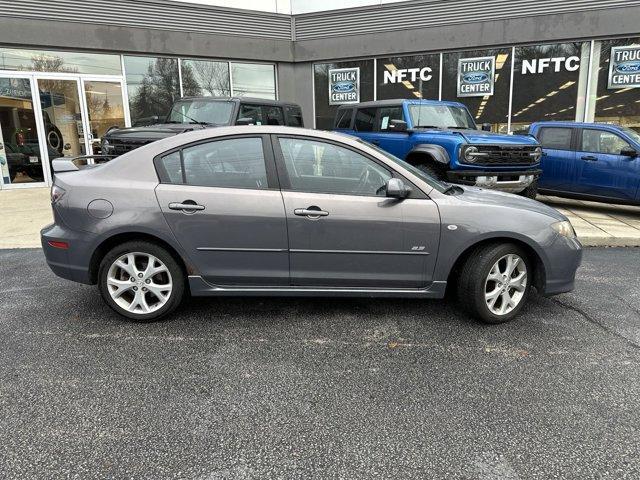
pixel 590 158
pixel 376 142
pixel 188 206
pixel 311 212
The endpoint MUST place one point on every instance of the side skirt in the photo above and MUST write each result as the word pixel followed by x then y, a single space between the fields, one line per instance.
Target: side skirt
pixel 200 288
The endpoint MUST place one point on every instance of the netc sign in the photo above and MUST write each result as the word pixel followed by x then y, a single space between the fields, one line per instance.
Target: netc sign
pixel 411 74
pixel 541 65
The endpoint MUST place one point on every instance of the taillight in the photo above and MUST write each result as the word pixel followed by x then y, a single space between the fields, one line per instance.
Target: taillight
pixel 57 193
pixel 60 245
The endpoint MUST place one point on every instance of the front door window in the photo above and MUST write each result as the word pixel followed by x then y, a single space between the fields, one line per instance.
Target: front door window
pixel 20 156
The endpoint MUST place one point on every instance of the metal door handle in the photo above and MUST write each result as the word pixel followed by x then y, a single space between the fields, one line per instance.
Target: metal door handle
pixel 310 212
pixel 185 206
pixel 375 142
pixel 590 158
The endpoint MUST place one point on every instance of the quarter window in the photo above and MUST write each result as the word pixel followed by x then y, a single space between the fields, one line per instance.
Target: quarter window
pixel 600 141
pixel 315 166
pixel 387 114
pixel 232 163
pixel 171 168
pixel 365 118
pixel 556 138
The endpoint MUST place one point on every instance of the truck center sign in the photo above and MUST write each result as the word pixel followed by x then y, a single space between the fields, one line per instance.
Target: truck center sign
pixel 624 67
pixel 476 76
pixel 344 85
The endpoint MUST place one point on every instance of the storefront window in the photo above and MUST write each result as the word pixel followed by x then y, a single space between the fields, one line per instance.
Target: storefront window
pixel 153 86
pixel 414 77
pixel 615 96
pixel 325 113
pixel 253 80
pixel 20 158
pixel 205 78
pixel 549 83
pixel 480 79
pixel 105 109
pixel 68 62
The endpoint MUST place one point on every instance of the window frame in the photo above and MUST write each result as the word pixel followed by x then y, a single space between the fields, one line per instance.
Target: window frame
pixel 285 182
pixel 267 151
pixel 599 130
pixel 572 139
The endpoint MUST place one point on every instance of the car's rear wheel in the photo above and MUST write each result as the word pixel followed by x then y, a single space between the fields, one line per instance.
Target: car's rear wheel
pixel 495 282
pixel 141 281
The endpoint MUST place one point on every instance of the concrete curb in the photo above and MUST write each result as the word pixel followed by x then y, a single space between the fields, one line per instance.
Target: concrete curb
pixel 609 242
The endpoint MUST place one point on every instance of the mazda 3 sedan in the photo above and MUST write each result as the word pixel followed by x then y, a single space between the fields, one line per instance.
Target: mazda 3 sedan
pixel 269 210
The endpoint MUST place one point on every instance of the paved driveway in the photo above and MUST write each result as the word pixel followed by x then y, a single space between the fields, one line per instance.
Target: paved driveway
pixel 294 388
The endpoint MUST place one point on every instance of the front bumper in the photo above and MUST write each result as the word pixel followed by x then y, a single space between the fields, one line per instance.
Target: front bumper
pixel 564 256
pixel 506 181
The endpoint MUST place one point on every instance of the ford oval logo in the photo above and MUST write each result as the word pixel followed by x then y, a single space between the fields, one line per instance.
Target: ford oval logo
pixel 343 87
pixel 628 67
pixel 475 77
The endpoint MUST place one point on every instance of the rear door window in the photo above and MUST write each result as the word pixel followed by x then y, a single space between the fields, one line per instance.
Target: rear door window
pixel 365 119
pixel 274 115
pixel 556 138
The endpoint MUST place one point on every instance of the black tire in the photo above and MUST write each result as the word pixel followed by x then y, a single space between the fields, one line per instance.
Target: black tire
pixel 531 191
pixel 12 174
pixel 177 279
pixel 36 174
pixel 473 277
pixel 433 170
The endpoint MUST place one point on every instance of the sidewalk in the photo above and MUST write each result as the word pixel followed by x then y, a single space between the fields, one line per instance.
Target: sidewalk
pixel 600 224
pixel 24 212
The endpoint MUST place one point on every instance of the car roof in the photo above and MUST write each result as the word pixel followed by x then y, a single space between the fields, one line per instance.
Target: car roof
pixel 262 101
pixel 560 123
pixel 399 101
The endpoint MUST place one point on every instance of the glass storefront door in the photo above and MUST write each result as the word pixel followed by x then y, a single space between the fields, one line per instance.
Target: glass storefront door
pixel 64 130
pixel 21 160
pixel 105 109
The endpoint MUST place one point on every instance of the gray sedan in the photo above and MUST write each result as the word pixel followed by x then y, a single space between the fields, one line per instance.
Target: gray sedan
pixel 264 210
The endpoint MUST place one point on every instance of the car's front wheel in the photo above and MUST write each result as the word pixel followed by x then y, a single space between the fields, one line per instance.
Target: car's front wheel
pixel 495 282
pixel 141 280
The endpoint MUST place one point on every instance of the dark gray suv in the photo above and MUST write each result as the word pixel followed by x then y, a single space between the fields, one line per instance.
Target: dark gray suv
pixel 268 210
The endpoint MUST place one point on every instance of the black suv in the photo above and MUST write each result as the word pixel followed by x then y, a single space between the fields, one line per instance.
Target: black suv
pixel 193 113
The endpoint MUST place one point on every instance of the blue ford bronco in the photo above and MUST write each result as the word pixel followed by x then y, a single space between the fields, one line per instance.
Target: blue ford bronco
pixel 442 139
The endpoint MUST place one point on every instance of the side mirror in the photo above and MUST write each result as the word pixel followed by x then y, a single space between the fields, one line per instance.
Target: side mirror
pixel 245 121
pixel 486 127
pixel 397 189
pixel 629 152
pixel 397 126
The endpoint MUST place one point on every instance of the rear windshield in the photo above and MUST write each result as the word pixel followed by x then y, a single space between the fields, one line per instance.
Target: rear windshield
pixel 201 111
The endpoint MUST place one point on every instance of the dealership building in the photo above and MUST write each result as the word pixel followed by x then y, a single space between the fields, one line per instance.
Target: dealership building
pixel 72 69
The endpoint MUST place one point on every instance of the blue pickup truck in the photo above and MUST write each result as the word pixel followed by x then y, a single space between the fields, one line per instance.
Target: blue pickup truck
pixel 442 139
pixel 592 161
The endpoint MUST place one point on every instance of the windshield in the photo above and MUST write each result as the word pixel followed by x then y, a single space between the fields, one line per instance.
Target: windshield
pixel 441 116
pixel 635 136
pixel 201 111
pixel 437 184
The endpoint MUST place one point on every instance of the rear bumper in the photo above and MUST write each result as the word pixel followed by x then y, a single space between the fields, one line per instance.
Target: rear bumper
pixel 506 181
pixel 71 263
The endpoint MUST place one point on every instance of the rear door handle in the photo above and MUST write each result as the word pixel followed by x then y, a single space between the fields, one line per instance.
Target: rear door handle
pixel 186 206
pixel 590 158
pixel 310 212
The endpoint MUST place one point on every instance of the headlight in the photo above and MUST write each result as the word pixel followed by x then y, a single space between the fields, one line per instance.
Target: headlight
pixel 537 154
pixel 564 228
pixel 470 154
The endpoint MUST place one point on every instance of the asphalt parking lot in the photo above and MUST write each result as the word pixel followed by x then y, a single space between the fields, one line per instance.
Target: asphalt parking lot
pixel 295 388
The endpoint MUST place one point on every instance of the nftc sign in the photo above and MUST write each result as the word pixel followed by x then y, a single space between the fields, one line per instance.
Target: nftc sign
pixel 541 65
pixel 411 74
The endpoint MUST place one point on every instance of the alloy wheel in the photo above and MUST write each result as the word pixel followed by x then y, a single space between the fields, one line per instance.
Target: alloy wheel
pixel 506 284
pixel 140 283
